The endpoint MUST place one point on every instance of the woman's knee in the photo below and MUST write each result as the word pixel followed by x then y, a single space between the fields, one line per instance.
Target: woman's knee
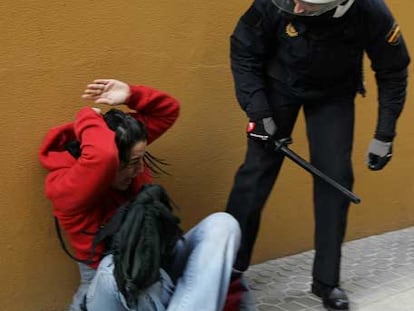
pixel 222 225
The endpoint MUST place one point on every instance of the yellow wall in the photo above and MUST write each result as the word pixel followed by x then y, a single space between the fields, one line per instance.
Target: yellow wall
pixel 50 49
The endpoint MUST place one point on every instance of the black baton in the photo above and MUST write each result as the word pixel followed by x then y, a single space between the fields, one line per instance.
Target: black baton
pixel 281 146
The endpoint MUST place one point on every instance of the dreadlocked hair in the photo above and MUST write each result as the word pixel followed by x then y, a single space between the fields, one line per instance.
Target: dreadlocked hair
pixel 129 131
pixel 155 164
pixel 145 242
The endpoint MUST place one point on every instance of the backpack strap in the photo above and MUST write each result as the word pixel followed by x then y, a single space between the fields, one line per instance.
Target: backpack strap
pixel 105 232
pixel 83 304
pixel 63 244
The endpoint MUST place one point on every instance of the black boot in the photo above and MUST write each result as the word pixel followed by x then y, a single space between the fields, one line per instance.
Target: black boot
pixel 333 298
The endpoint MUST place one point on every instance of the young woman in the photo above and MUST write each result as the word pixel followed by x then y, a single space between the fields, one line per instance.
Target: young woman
pixel 96 164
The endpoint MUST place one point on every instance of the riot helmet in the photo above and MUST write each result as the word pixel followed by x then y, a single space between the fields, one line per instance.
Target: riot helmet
pixel 313 7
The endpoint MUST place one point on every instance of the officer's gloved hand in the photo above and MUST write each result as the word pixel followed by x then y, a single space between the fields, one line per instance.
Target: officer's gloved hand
pixel 379 153
pixel 262 130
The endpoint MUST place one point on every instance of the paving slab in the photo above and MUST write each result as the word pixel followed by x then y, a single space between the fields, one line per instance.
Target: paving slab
pixel 377 273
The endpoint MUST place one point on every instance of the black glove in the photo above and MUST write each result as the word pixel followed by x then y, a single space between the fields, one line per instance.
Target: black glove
pixel 262 130
pixel 379 154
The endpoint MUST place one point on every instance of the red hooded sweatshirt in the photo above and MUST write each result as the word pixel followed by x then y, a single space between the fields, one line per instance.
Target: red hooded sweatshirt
pixel 80 189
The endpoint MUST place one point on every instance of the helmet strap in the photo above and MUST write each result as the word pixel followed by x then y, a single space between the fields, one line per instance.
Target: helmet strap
pixel 343 8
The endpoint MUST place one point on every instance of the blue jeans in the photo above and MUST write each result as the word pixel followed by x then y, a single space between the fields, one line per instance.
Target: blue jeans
pixel 103 293
pixel 86 276
pixel 197 280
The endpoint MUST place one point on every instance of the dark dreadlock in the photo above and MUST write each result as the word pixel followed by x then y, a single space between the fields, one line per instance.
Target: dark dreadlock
pixel 145 242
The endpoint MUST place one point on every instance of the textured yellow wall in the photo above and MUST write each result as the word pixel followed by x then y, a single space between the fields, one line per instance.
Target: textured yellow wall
pixel 50 49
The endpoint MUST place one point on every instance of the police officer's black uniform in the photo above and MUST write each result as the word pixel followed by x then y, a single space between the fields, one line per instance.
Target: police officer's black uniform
pixel 282 62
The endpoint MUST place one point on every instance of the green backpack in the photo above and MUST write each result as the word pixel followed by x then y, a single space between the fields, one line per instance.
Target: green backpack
pixel 144 242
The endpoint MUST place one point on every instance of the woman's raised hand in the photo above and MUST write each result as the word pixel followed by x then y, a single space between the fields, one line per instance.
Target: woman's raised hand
pixel 107 91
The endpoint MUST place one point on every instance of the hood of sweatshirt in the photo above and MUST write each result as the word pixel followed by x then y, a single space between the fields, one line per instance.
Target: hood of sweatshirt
pixel 53 154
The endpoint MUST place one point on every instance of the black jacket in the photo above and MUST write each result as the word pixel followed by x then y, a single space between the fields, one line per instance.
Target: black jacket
pixel 319 57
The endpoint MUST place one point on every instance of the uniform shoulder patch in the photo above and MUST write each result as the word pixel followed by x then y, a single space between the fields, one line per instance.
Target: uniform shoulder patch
pixel 394 35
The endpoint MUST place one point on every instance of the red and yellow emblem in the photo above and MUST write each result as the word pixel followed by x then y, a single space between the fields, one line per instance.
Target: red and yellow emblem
pixel 291 30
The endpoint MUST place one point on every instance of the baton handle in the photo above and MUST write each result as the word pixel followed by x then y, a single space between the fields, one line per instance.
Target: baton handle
pixel 281 146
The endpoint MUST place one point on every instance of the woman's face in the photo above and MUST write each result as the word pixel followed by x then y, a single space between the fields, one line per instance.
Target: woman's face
pixel 128 171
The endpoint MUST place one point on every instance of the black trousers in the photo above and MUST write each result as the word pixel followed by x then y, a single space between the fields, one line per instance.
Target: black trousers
pixel 330 126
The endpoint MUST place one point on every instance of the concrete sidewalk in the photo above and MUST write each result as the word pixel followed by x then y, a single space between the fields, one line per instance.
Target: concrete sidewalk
pixel 377 273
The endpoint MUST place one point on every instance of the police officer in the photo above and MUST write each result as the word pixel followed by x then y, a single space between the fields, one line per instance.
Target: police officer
pixel 293 54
